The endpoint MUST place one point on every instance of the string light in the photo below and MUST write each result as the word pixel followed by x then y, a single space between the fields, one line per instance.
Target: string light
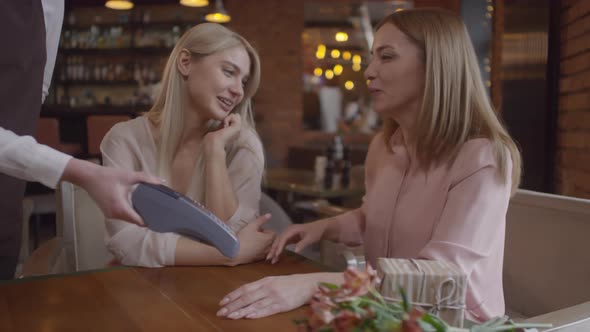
pixel 341 36
pixel 194 3
pixel 119 4
pixel 329 74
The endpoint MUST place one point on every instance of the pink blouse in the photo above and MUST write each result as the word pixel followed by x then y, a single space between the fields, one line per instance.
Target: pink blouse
pixel 455 214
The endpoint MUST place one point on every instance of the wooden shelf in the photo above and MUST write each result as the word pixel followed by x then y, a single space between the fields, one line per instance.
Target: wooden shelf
pixel 116 51
pixel 97 82
pixel 59 111
pixel 135 25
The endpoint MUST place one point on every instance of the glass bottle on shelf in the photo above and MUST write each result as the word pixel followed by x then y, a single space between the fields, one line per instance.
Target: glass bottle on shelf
pixel 346 167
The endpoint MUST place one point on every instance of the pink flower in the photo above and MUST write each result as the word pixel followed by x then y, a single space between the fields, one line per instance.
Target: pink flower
pixel 358 282
pixel 346 320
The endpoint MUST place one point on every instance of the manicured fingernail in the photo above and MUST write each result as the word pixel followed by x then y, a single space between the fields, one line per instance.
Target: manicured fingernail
pixel 251 316
pixel 224 301
pixel 234 315
pixel 222 312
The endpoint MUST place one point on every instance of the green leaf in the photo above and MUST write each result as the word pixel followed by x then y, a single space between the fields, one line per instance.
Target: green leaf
pixel 405 304
pixel 435 322
pixel 426 327
pixel 329 285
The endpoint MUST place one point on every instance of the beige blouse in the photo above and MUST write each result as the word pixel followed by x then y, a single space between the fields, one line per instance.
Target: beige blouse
pixel 130 145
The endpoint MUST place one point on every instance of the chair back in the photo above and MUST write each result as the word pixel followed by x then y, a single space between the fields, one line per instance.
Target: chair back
pixel 83 229
pixel 97 127
pixel 280 219
pixel 546 265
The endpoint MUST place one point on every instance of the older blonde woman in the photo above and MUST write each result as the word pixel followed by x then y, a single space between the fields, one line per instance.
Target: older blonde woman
pixel 200 137
pixel 438 176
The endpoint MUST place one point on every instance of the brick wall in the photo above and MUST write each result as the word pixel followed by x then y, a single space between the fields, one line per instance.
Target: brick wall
pixel 573 141
pixel 274 28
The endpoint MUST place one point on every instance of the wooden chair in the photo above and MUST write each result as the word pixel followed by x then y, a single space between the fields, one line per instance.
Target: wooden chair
pixel 47 133
pixel 97 127
pixel 79 244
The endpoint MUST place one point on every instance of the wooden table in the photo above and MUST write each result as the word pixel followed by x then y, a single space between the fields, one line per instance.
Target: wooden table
pixel 138 299
pixel 302 182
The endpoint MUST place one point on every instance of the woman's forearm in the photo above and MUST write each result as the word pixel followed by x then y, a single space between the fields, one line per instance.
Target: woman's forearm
pixel 219 194
pixel 189 252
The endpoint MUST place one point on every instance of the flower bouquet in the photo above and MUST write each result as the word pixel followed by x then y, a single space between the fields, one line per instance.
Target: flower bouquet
pixel 358 306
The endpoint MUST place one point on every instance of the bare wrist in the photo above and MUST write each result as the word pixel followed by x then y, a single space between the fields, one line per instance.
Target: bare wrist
pixel 78 171
pixel 214 150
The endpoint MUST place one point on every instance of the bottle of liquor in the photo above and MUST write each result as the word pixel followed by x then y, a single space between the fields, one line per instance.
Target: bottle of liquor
pixel 330 168
pixel 338 156
pixel 346 166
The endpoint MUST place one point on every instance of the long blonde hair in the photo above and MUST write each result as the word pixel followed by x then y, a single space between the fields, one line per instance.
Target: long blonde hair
pixel 167 113
pixel 455 105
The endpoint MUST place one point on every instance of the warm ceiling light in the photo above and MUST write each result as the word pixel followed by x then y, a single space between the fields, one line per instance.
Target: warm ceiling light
pixel 356 67
pixel 329 74
pixel 219 15
pixel 320 55
pixel 335 53
pixel 119 4
pixel 349 85
pixel 341 36
pixel 346 55
pixel 195 3
pixel 338 70
pixel 322 48
pixel 356 59
pixel 318 71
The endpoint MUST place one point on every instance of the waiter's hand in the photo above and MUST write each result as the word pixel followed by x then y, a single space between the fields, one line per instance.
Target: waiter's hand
pixel 109 187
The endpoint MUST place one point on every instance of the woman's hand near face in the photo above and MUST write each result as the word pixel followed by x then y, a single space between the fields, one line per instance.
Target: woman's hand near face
pixel 230 128
pixel 270 295
pixel 254 242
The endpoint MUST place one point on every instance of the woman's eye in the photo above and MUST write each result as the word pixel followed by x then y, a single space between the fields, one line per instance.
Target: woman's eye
pixel 228 72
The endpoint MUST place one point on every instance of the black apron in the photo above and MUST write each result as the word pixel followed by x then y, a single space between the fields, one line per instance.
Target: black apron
pixel 22 62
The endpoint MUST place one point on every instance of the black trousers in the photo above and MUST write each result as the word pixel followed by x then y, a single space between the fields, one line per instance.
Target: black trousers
pixel 22 61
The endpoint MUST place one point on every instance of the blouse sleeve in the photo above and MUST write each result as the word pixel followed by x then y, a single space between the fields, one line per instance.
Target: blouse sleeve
pixel 472 224
pixel 245 172
pixel 132 244
pixel 24 158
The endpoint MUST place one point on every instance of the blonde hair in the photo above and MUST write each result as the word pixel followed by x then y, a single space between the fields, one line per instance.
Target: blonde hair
pixel 455 105
pixel 167 113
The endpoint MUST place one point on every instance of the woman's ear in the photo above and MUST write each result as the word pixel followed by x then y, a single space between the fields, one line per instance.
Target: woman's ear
pixel 184 62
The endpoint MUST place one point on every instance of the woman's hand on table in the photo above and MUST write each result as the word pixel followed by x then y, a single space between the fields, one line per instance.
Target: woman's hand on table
pixel 254 242
pixel 269 296
pixel 302 234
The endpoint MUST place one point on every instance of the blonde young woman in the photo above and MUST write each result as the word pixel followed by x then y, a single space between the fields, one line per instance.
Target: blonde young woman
pixel 438 176
pixel 200 137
